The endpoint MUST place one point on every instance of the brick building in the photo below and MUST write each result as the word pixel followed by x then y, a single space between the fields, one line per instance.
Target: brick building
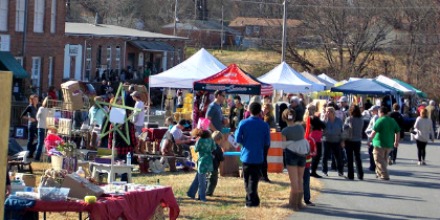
pixel 90 49
pixel 36 34
pixel 33 33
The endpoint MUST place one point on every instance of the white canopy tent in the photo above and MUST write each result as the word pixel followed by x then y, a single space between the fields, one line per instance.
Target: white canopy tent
pixel 283 77
pixel 199 66
pixel 391 83
pixel 327 78
pixel 327 85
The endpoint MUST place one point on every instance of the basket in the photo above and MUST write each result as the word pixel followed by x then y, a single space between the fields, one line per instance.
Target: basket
pixel 53 193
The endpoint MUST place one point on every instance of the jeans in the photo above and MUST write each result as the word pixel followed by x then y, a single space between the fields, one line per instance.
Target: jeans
pixel 212 183
pixel 372 163
pixel 198 184
pixel 317 158
pixel 251 176
pixel 40 145
pixel 306 184
pixel 124 176
pixel 334 148
pixel 421 150
pixel 31 147
pixel 353 148
pixel 393 154
pixel 264 167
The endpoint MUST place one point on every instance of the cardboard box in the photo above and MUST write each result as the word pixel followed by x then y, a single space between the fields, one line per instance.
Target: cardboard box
pixel 28 179
pixel 81 187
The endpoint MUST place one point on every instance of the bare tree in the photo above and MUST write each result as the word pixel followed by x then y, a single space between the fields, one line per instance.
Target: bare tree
pixel 417 49
pixel 351 32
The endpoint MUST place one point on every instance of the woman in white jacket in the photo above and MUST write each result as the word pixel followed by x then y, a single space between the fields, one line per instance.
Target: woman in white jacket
pixel 422 133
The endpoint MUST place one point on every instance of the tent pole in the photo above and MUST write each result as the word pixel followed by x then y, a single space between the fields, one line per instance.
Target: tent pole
pixel 148 101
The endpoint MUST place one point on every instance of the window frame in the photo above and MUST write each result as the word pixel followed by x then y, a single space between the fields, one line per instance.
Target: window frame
pixel 4 9
pixel 19 15
pixel 39 11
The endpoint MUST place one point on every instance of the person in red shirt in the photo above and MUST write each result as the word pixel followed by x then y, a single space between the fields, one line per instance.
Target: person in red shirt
pixel 52 93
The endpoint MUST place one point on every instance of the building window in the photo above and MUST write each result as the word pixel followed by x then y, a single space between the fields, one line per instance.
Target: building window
pixel 50 72
pixel 36 69
pixel 109 57
pixel 88 62
pixel 39 16
pixel 19 60
pixel 118 59
pixel 19 16
pixel 248 30
pixel 4 15
pixel 53 16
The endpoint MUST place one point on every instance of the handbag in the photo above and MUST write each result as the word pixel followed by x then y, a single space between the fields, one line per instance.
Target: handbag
pixel 347 132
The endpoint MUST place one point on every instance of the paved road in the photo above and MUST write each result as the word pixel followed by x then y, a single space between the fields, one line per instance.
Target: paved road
pixel 412 193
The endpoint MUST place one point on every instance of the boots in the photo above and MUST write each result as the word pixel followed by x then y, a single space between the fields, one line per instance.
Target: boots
pixel 292 200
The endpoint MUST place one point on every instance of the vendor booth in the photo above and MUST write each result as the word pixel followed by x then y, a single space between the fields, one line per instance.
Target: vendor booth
pixel 233 80
pixel 199 66
pixel 283 77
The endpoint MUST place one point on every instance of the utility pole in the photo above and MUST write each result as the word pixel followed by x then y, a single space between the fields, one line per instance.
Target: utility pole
pixel 222 33
pixel 175 19
pixel 283 47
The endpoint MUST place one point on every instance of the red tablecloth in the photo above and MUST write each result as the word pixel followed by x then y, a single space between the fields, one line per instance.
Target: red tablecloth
pixel 132 205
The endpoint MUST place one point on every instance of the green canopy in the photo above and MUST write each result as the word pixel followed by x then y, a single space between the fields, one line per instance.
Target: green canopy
pixel 408 86
pixel 9 63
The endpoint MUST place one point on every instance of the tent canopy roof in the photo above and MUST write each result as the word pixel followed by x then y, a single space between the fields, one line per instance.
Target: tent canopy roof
pixel 232 79
pixel 393 84
pixel 364 86
pixel 327 78
pixel 199 66
pixel 284 77
pixel 327 85
pixel 406 85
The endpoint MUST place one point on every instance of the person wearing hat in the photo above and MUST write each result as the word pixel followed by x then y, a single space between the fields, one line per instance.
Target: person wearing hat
pixel 138 115
pixel 374 110
pixel 343 104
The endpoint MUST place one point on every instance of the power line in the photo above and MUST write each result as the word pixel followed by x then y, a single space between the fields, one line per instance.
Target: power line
pixel 336 7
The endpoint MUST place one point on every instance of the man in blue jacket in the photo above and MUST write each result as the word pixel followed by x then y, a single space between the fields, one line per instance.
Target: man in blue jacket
pixel 253 134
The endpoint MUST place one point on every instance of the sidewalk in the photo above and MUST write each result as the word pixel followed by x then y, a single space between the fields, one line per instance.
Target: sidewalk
pixel 412 193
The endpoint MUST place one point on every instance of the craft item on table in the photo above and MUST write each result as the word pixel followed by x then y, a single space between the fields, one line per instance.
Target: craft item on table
pixel 53 193
pixel 81 187
pixel 65 126
pixel 73 96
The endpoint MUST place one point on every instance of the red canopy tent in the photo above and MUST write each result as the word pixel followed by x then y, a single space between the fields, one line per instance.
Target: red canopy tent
pixel 234 80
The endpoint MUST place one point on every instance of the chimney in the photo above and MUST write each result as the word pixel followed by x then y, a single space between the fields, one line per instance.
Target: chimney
pixel 98 19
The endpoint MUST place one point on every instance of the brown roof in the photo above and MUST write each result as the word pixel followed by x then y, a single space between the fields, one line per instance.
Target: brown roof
pixel 245 21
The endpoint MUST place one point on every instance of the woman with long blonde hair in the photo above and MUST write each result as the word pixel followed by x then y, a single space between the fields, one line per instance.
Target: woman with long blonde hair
pixel 424 132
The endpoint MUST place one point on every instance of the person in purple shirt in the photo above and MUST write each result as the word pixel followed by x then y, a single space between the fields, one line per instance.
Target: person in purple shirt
pixel 253 134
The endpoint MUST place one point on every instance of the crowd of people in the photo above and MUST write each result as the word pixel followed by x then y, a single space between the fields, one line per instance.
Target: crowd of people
pixel 310 135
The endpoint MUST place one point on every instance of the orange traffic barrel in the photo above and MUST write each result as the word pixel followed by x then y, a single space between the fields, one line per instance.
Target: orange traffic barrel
pixel 275 154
